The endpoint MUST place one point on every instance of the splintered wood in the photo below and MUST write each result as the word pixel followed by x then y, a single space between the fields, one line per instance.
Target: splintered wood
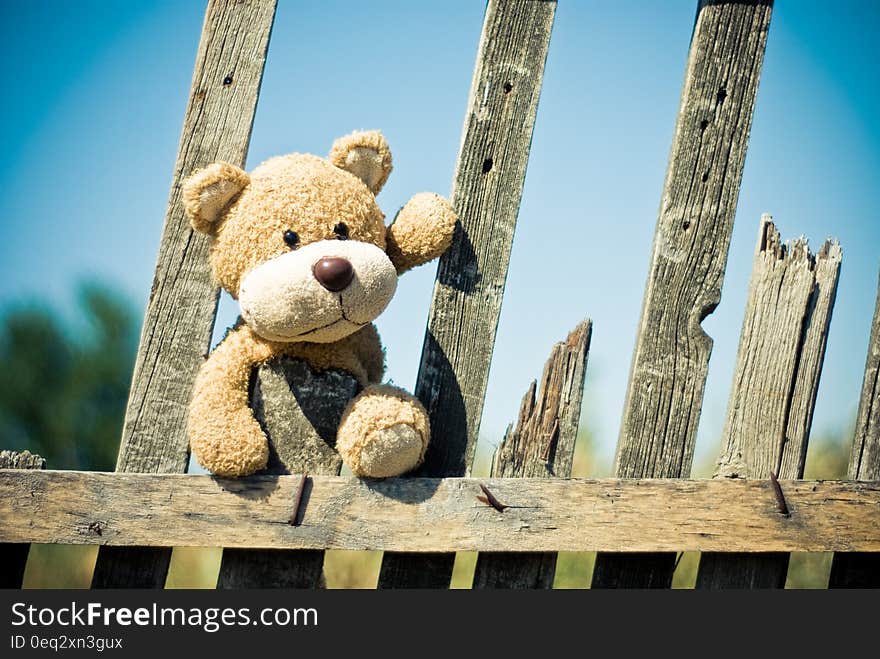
pixel 782 346
pixel 541 444
pixel 21 460
pixel 781 350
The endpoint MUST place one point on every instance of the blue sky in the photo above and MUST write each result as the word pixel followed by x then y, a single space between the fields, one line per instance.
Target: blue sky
pixel 94 96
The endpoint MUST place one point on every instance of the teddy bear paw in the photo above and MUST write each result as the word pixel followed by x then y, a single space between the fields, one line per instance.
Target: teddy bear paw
pixel 391 451
pixel 228 446
pixel 232 463
pixel 383 433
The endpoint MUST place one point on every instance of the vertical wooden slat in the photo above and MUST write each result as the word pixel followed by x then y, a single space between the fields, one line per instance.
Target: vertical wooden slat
pixel 14 555
pixel 487 189
pixel 817 321
pixel 856 569
pixel 180 314
pixel 864 463
pixel 697 209
pixel 541 445
pixel 781 350
pixel 300 411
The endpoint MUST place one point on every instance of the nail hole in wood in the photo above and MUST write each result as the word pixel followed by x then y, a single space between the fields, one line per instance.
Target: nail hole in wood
pixel 487 165
pixel 722 94
pixel 686 225
pixel 227 80
pixel 704 124
pixel 508 87
pixel 705 176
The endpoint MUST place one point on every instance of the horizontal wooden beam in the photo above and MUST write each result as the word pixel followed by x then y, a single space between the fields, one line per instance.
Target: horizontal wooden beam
pixel 438 515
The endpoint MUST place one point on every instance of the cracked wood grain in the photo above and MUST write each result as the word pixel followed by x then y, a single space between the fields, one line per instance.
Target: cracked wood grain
pixel 180 313
pixel 471 275
pixel 437 515
pixel 541 445
pixel 14 555
pixel 689 255
pixel 861 570
pixel 776 379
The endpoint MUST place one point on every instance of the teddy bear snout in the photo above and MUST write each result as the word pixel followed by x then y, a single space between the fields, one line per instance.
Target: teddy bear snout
pixel 333 273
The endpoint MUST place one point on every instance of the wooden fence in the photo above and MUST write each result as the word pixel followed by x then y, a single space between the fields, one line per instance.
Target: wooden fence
pixel 275 528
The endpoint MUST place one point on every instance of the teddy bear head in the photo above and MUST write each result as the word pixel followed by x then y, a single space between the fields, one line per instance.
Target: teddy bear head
pixel 300 241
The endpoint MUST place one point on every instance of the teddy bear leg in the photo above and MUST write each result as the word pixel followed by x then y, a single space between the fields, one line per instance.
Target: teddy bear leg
pixel 384 432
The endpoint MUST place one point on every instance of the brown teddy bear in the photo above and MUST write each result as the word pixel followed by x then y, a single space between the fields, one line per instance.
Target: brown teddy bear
pixel 302 245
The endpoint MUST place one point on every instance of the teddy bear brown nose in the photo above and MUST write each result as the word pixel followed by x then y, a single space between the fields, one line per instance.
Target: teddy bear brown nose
pixel 333 273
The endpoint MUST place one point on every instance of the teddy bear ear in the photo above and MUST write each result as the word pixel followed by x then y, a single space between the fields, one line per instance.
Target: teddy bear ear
pixel 366 155
pixel 207 193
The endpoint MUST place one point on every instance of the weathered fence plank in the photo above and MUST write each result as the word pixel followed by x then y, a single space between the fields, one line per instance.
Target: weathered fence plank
pixel 860 570
pixel 785 328
pixel 689 256
pixel 541 445
pixel 486 194
pixel 300 411
pixel 438 515
pixel 14 555
pixel 817 321
pixel 781 349
pixel 180 314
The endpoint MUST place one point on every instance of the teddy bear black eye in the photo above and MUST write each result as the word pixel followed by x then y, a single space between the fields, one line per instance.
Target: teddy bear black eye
pixel 341 231
pixel 291 239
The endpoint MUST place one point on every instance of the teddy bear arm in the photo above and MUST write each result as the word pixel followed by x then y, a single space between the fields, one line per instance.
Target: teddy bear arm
pixel 421 232
pixel 224 435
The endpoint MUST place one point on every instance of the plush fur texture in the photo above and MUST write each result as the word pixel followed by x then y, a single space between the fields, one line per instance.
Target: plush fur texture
pixel 383 432
pixel 270 228
pixel 207 192
pixel 366 155
pixel 407 243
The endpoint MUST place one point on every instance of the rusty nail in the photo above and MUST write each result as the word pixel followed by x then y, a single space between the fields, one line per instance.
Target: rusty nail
pixel 297 499
pixel 781 505
pixel 490 499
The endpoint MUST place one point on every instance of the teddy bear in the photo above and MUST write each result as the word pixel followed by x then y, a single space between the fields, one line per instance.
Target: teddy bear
pixel 302 245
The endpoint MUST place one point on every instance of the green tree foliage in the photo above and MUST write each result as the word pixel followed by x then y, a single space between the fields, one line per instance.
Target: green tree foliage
pixel 64 385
